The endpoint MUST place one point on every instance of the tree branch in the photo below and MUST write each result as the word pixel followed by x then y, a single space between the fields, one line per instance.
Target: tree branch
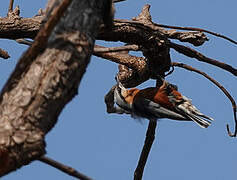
pixel 101 49
pixel 197 29
pixel 138 72
pixel 46 78
pixel 195 38
pixel 197 55
pixel 66 169
pixel 150 136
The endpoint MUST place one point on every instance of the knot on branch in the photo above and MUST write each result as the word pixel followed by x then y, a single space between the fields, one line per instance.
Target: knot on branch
pixel 144 16
pixel 15 14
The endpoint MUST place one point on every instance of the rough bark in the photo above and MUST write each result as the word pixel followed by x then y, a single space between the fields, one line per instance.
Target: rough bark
pixel 31 102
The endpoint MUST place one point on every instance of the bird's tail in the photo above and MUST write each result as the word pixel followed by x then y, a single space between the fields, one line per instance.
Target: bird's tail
pixel 201 122
pixel 194 114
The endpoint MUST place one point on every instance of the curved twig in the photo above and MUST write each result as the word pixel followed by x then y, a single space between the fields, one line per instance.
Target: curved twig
pixel 190 68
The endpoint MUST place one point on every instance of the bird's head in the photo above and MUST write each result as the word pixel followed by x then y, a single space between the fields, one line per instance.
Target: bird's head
pixel 124 97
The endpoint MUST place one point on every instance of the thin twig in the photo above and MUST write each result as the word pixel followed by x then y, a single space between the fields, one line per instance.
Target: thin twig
pixel 10 8
pixel 101 49
pixel 190 68
pixel 70 171
pixel 197 55
pixel 150 136
pixel 197 29
pixel 4 54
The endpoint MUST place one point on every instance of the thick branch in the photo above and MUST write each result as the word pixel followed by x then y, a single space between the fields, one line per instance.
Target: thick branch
pixel 45 81
pixel 138 72
pixel 133 62
pixel 12 28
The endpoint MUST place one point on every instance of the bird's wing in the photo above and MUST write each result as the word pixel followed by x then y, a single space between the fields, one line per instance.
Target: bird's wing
pixel 150 109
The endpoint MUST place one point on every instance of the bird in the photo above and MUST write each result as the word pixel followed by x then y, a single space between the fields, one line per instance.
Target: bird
pixel 153 103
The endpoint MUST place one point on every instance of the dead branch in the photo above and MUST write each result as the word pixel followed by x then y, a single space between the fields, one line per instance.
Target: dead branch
pixel 197 29
pixel 22 28
pixel 150 136
pixel 133 62
pixel 101 49
pixel 66 169
pixel 138 72
pixel 195 38
pixel 190 68
pixel 197 55
pixel 46 78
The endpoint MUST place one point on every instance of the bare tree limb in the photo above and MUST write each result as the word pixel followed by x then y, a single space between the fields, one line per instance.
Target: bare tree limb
pixel 140 70
pixel 195 38
pixel 133 62
pixel 197 55
pixel 190 68
pixel 45 80
pixel 22 28
pixel 101 49
pixel 150 136
pixel 66 169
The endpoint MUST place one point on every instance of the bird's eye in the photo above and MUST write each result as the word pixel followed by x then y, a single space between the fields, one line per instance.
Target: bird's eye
pixel 171 87
pixel 174 87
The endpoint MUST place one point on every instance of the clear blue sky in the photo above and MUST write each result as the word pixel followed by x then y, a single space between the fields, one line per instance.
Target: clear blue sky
pixel 107 147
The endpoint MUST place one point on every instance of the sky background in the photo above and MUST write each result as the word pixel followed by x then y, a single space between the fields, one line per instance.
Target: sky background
pixel 107 146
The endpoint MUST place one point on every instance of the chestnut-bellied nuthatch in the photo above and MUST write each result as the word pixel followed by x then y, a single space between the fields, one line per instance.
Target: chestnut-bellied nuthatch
pixel 163 101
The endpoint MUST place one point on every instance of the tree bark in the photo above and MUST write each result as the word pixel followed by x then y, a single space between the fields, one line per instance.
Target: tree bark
pixel 38 90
